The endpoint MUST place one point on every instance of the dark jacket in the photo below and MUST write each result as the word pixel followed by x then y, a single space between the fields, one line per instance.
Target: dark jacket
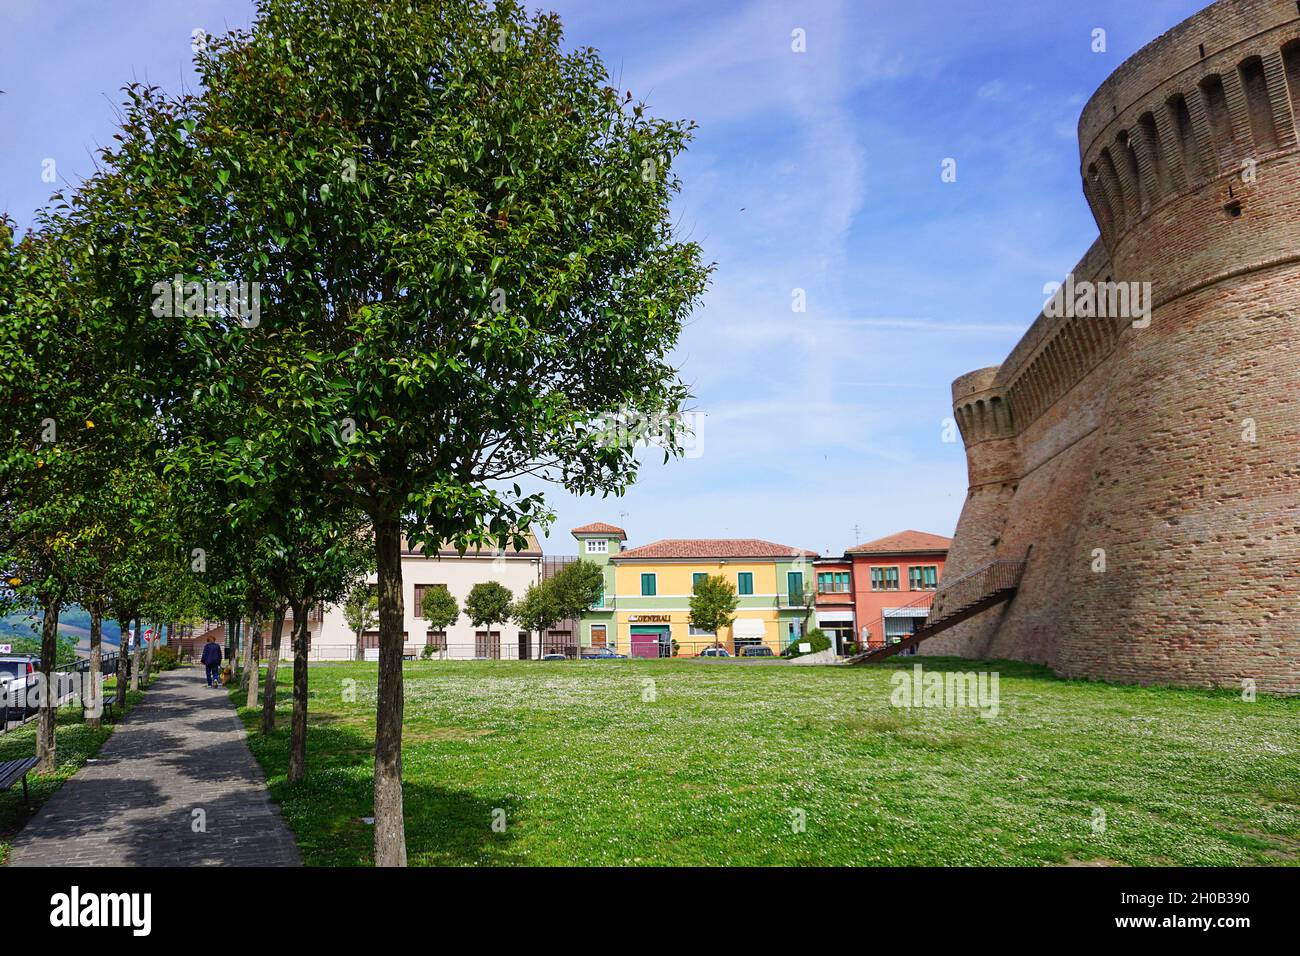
pixel 211 653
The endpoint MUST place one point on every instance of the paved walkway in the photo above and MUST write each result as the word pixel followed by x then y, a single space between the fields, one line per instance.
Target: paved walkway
pixel 181 750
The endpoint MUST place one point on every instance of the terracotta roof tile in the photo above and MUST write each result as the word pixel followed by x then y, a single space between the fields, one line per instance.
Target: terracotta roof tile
pixel 904 542
pixel 599 527
pixel 713 548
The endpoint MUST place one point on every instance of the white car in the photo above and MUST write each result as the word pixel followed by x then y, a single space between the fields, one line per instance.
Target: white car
pixel 16 672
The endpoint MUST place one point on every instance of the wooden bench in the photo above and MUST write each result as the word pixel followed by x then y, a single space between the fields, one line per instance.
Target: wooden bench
pixel 106 706
pixel 11 771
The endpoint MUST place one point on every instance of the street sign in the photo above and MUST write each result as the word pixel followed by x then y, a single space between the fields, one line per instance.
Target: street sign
pixel 6 648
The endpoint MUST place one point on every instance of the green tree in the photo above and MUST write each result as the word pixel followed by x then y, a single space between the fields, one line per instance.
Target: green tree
pixel 361 611
pixel 323 559
pixel 577 587
pixel 440 608
pixel 714 603
pixel 538 610
pixel 65 647
pixel 463 237
pixel 51 387
pixel 488 603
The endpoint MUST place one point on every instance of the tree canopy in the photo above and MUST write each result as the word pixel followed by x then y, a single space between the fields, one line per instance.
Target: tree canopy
pixel 714 603
pixel 391 259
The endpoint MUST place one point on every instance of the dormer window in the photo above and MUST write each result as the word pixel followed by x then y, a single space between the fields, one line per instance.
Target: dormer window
pixel 597 546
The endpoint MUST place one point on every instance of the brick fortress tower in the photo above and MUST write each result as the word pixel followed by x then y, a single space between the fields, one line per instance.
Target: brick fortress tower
pixel 1156 470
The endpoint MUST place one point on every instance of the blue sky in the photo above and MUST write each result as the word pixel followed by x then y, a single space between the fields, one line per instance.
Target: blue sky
pixel 817 171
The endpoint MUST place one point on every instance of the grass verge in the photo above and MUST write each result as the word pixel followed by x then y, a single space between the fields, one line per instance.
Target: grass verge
pixel 681 762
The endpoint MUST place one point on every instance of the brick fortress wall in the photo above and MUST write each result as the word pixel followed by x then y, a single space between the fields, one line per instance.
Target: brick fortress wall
pixel 1095 435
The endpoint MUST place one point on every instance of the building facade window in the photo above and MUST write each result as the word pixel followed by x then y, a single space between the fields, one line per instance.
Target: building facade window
pixel 597 546
pixel 598 635
pixel 700 632
pixel 745 582
pixel 884 579
pixel 696 578
pixel 420 591
pixel 833 582
pixel 923 577
pixel 649 586
pixel 794 586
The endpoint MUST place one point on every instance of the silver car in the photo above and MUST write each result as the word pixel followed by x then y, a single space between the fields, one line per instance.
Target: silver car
pixel 16 672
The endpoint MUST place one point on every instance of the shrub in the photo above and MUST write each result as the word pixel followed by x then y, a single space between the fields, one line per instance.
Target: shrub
pixel 428 652
pixel 166 658
pixel 816 639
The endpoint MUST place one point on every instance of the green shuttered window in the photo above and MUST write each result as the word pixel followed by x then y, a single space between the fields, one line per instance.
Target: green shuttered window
pixel 923 577
pixel 884 579
pixel 833 582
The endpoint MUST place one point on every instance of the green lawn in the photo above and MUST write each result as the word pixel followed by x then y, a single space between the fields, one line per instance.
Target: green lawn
pixel 714 768
pixel 74 742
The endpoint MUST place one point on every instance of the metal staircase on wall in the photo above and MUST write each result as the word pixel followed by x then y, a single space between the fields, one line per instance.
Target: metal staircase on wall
pixel 981 589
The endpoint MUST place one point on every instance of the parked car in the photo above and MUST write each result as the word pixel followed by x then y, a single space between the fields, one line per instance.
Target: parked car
pixel 756 650
pixel 554 657
pixel 602 654
pixel 715 652
pixel 16 672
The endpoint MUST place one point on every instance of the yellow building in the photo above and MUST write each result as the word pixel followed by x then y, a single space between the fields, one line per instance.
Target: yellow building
pixel 645 611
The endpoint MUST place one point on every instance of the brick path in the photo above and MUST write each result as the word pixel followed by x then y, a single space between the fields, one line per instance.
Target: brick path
pixel 182 748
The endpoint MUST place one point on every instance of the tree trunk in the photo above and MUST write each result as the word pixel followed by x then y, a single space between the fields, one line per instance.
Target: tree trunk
pixel 250 660
pixel 390 828
pixel 245 649
pixel 272 666
pixel 135 656
pixel 232 637
pixel 49 650
pixel 121 662
pixel 94 693
pixel 298 724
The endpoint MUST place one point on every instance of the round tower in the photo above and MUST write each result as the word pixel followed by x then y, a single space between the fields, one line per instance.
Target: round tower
pixel 984 415
pixel 1188 556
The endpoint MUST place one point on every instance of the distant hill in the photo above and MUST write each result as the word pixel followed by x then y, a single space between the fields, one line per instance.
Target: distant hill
pixel 73 620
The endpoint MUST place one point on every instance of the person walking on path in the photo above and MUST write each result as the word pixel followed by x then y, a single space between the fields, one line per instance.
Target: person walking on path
pixel 212 661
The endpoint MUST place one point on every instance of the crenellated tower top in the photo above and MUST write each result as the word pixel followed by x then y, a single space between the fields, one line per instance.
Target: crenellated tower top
pixel 1217 93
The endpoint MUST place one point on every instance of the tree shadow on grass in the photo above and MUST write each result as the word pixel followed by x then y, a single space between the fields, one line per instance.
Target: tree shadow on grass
pixel 328 809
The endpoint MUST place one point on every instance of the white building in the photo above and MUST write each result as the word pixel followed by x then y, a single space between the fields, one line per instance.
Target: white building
pixel 332 639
